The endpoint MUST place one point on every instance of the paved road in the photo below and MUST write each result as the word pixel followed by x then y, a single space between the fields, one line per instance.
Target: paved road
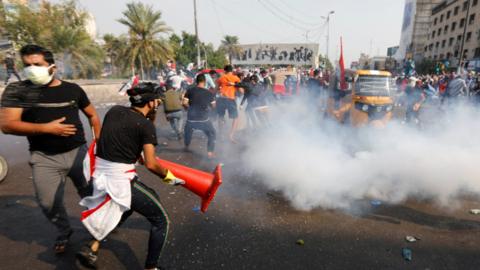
pixel 247 227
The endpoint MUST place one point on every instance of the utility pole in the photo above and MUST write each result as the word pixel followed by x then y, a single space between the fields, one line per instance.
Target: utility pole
pixel 328 30
pixel 306 36
pixel 196 32
pixel 460 60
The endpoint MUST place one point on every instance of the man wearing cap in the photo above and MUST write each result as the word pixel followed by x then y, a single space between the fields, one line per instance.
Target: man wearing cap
pixel 126 133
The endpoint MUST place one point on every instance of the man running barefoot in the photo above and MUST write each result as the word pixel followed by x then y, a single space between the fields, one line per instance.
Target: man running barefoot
pixel 226 100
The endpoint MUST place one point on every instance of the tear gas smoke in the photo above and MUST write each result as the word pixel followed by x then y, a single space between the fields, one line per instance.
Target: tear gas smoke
pixel 321 164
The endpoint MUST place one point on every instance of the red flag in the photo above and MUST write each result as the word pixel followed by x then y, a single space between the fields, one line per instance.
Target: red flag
pixel 343 84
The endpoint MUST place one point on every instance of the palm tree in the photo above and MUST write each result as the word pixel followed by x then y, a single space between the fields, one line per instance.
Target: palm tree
pixel 59 28
pixel 114 47
pixel 146 48
pixel 80 54
pixel 231 46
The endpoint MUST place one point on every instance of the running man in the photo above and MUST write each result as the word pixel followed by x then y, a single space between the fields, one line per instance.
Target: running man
pixel 226 100
pixel 126 133
pixel 10 67
pixel 199 100
pixel 46 110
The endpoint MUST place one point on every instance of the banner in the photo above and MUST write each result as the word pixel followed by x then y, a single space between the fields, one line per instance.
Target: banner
pixel 277 54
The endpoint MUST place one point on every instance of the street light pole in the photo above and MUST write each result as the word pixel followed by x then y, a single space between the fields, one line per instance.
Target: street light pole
pixel 196 32
pixel 328 32
pixel 461 56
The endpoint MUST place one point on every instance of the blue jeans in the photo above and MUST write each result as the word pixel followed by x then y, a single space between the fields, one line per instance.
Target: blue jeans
pixel 206 127
pixel 174 119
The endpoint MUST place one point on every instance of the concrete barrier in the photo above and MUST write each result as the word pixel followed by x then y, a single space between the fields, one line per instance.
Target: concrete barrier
pixel 102 93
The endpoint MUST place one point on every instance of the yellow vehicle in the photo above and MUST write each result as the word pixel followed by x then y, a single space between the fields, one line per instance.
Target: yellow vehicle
pixel 368 99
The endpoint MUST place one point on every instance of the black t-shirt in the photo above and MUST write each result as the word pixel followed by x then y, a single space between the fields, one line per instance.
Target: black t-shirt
pixel 45 104
pixel 124 133
pixel 199 100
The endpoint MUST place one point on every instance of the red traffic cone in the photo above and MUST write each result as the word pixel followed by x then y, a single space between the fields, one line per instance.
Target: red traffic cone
pixel 203 184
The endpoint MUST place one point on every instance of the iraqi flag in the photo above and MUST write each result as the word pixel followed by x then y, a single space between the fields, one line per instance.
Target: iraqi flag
pixel 129 85
pixel 89 161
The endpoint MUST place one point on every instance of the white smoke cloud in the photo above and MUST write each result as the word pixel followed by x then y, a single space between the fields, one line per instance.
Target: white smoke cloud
pixel 315 163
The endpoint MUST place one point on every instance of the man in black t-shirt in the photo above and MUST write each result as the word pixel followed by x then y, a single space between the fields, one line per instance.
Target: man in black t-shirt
pixel 126 133
pixel 10 67
pixel 199 100
pixel 46 110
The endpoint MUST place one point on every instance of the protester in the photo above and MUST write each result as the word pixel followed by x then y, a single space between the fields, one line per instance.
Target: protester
pixel 118 192
pixel 266 80
pixel 456 89
pixel 226 100
pixel 210 79
pixel 199 100
pixel 256 101
pixel 46 110
pixel 10 67
pixel 172 104
pixel 290 84
pixel 414 98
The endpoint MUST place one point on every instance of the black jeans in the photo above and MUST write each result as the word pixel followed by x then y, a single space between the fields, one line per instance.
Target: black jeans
pixel 145 201
pixel 206 127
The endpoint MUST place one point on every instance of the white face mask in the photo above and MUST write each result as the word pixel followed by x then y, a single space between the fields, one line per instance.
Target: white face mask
pixel 38 75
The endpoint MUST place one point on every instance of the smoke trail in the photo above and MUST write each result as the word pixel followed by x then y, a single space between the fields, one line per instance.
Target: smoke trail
pixel 321 164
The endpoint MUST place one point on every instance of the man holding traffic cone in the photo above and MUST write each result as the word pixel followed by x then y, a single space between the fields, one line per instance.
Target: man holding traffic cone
pixel 126 133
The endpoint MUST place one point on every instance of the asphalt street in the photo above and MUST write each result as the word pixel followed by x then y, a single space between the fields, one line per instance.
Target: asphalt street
pixel 246 227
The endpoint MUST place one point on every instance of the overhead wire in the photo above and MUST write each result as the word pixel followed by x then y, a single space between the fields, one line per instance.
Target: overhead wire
pixel 279 38
pixel 249 22
pixel 300 12
pixel 288 15
pixel 280 17
pixel 218 17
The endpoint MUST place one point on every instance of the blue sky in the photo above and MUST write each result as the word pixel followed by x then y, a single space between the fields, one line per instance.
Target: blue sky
pixel 368 26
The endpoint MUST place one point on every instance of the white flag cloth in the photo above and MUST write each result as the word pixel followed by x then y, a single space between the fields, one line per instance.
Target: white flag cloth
pixel 111 197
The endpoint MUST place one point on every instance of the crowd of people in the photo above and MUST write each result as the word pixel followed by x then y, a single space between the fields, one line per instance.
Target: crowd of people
pixel 46 110
pixel 443 90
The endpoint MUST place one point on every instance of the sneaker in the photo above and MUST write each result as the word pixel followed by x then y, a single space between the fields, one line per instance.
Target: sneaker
pixel 87 257
pixel 61 242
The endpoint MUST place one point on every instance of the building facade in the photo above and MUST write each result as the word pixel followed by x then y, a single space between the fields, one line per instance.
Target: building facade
pixel 415 29
pixel 454 33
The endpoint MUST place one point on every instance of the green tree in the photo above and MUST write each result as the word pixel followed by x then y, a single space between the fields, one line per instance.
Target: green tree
pixel 184 47
pixel 146 48
pixel 230 45
pixel 215 58
pixel 185 50
pixel 115 48
pixel 59 28
pixel 325 63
